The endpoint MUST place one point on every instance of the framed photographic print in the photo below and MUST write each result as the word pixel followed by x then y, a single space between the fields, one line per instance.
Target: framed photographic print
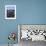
pixel 33 32
pixel 10 11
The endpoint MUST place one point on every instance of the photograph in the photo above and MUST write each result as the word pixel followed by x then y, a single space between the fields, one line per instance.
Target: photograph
pixel 10 11
pixel 28 33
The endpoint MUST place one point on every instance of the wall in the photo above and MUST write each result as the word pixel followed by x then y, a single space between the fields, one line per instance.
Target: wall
pixel 28 12
pixel 6 26
pixel 31 11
